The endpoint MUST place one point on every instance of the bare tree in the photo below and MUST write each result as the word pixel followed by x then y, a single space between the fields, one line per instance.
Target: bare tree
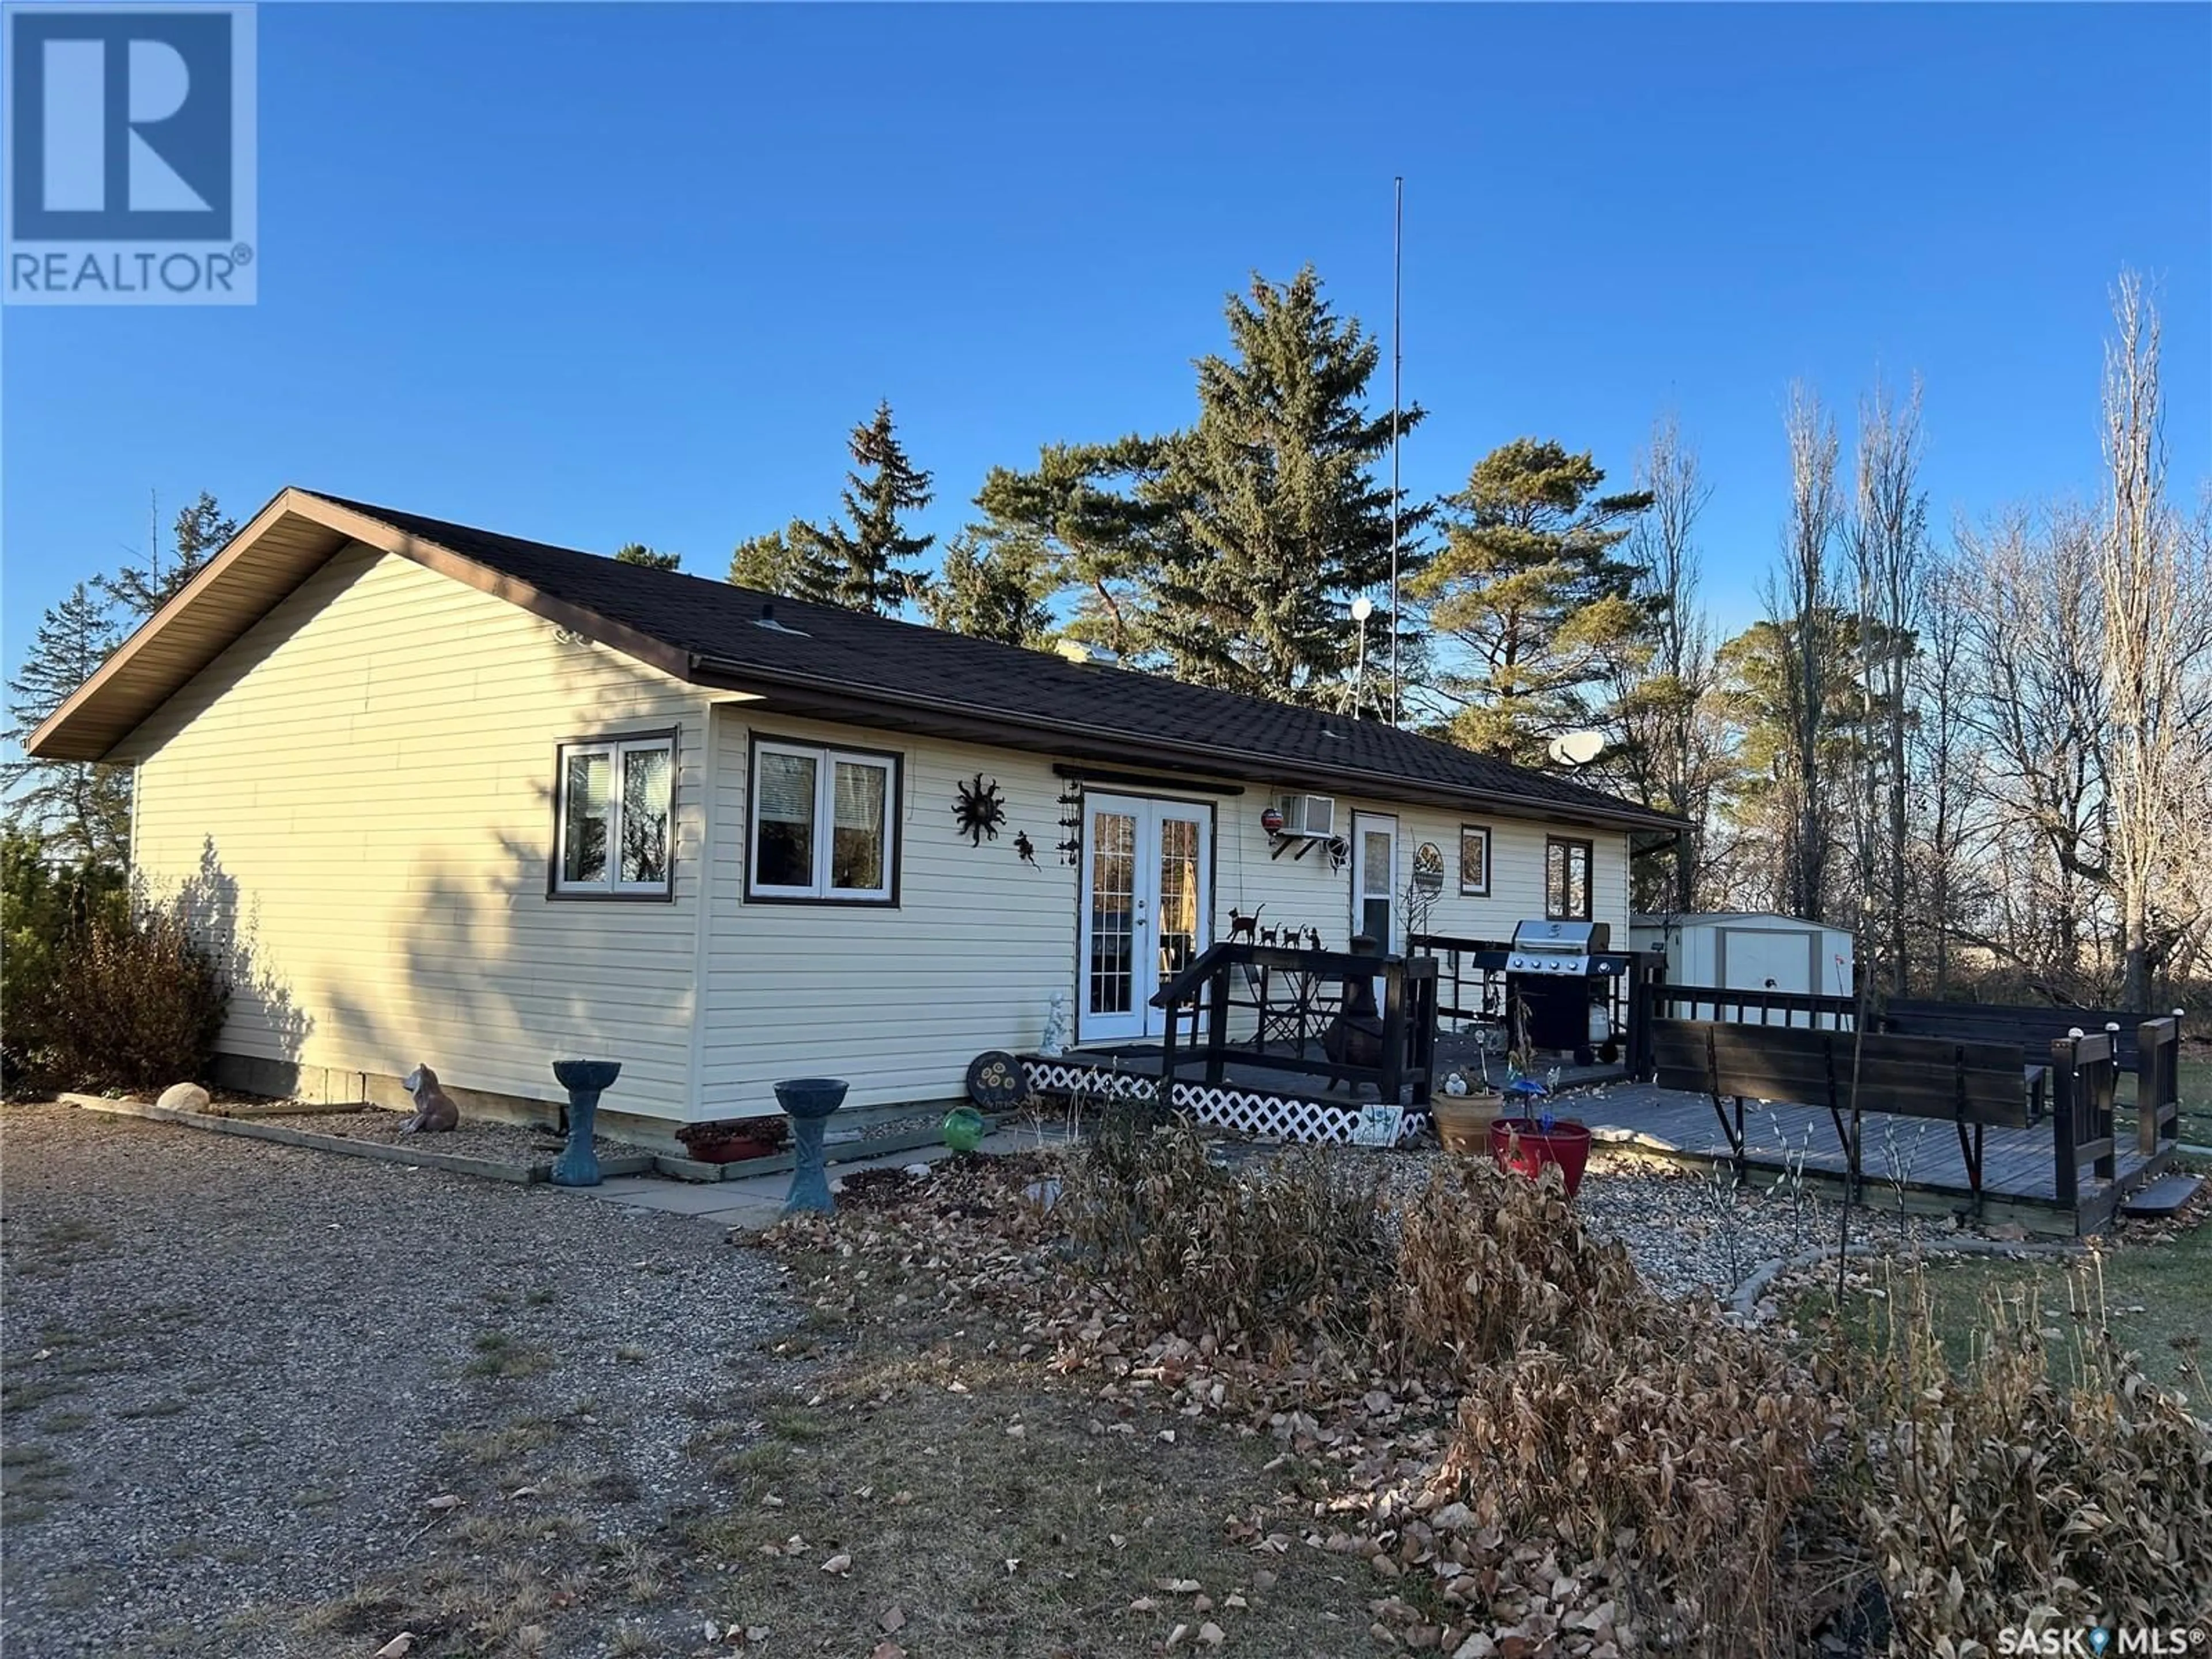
pixel 1799 605
pixel 2151 636
pixel 1887 540
pixel 2034 645
pixel 1670 755
pixel 1945 776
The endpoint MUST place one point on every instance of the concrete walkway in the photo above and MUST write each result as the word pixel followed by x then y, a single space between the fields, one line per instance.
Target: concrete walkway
pixel 754 1202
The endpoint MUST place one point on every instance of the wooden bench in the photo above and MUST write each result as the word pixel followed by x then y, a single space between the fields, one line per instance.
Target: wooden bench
pixel 2035 1028
pixel 1976 1085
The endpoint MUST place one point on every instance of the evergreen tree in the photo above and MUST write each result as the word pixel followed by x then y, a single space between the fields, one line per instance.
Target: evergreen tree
pixel 1273 521
pixel 785 562
pixel 1528 587
pixel 79 811
pixel 868 558
pixel 200 531
pixel 863 563
pixel 639 553
pixel 993 586
pixel 1081 508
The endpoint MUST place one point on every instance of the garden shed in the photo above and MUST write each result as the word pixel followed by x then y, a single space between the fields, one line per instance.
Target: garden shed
pixel 1748 951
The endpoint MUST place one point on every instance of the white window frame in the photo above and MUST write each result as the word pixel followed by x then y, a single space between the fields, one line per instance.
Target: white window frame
pixel 612 885
pixel 826 761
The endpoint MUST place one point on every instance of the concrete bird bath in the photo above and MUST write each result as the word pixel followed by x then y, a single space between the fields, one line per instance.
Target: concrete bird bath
pixel 578 1164
pixel 809 1101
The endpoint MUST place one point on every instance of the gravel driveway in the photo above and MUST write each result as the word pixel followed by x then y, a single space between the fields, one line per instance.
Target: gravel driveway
pixel 235 1374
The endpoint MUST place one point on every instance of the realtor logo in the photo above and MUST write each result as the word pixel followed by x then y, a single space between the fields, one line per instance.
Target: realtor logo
pixel 129 155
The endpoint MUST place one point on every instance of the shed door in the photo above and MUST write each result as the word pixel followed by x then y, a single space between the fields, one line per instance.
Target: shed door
pixel 1758 959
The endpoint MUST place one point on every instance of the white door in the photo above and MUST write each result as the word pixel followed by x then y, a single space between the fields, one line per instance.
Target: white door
pixel 1375 878
pixel 1146 908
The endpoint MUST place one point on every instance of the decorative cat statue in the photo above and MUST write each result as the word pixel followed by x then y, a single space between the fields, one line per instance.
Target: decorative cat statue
pixel 1059 1026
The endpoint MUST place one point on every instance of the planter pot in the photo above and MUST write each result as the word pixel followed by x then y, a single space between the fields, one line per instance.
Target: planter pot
pixel 1463 1121
pixel 733 1140
pixel 1523 1144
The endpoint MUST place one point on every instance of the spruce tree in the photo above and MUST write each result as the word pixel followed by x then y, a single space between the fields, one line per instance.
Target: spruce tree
pixel 1528 587
pixel 639 553
pixel 199 532
pixel 863 563
pixel 869 557
pixel 79 811
pixel 1275 520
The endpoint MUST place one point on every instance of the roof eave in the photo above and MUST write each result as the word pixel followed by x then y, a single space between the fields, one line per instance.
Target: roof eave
pixel 830 699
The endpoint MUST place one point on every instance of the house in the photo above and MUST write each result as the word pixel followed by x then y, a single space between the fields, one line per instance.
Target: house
pixel 442 794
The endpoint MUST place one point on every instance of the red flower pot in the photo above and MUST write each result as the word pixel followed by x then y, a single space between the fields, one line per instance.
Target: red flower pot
pixel 1523 1144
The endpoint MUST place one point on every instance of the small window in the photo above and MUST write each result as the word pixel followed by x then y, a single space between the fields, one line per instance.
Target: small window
pixel 823 824
pixel 614 823
pixel 1473 860
pixel 1566 879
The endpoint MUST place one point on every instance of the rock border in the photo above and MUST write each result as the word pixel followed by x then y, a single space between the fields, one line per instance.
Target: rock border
pixel 1746 1297
pixel 537 1171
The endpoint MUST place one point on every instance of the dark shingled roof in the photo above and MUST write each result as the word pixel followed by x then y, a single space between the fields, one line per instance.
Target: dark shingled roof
pixel 950 682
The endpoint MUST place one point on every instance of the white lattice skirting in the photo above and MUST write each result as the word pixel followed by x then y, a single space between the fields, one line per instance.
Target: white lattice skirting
pixel 1247 1111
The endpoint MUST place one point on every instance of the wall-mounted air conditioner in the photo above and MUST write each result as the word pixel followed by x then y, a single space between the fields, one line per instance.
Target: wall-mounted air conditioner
pixel 1309 814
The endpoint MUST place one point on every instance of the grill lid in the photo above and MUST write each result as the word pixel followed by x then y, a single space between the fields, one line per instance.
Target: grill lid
pixel 1558 947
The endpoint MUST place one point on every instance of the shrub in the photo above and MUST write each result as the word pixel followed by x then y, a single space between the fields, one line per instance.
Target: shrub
pixel 43 905
pixel 137 1003
pixel 1268 1260
pixel 1488 1261
pixel 2000 1494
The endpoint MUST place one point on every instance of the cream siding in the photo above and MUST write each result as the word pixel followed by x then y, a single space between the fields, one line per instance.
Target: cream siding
pixel 897 1001
pixel 369 771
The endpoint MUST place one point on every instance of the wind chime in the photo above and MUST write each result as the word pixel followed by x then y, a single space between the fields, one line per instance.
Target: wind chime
pixel 1070 819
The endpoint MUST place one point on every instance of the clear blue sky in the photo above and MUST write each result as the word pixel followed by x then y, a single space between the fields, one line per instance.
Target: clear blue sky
pixel 595 274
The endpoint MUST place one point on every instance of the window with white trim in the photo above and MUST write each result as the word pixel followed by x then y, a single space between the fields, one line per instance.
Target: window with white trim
pixel 614 826
pixel 823 824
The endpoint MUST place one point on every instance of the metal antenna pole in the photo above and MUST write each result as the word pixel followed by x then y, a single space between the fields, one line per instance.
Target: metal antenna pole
pixel 1397 244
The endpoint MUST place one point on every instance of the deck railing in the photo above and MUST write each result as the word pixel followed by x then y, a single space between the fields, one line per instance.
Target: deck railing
pixel 1292 998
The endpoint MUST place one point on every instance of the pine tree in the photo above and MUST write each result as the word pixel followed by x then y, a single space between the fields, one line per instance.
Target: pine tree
pixel 1274 520
pixel 993 586
pixel 1529 588
pixel 791 562
pixel 79 811
pixel 200 531
pixel 639 553
pixel 1082 508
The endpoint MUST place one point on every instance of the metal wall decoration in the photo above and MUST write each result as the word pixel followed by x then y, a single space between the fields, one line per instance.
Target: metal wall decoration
pixel 1422 891
pixel 979 810
pixel 1025 849
pixel 1070 819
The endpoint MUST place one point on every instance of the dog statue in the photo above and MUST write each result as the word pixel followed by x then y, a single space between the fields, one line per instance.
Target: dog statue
pixel 1244 927
pixel 435 1111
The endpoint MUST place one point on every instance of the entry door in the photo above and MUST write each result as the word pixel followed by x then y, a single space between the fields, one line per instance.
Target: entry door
pixel 1146 908
pixel 1375 878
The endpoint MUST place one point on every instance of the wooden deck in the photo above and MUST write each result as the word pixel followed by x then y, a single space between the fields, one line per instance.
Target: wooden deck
pixel 1908 1162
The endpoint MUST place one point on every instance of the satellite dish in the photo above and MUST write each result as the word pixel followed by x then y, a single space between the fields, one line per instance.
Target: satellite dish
pixel 1578 748
pixel 1362 608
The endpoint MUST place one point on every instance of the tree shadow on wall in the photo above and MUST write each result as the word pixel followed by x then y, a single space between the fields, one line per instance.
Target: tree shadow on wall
pixel 207 901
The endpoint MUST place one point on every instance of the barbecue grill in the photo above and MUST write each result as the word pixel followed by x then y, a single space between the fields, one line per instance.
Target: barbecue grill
pixel 1553 972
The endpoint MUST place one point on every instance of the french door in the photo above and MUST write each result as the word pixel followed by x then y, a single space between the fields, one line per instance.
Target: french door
pixel 1146 908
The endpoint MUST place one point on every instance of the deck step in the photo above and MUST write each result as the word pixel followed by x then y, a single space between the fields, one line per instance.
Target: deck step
pixel 2164 1196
